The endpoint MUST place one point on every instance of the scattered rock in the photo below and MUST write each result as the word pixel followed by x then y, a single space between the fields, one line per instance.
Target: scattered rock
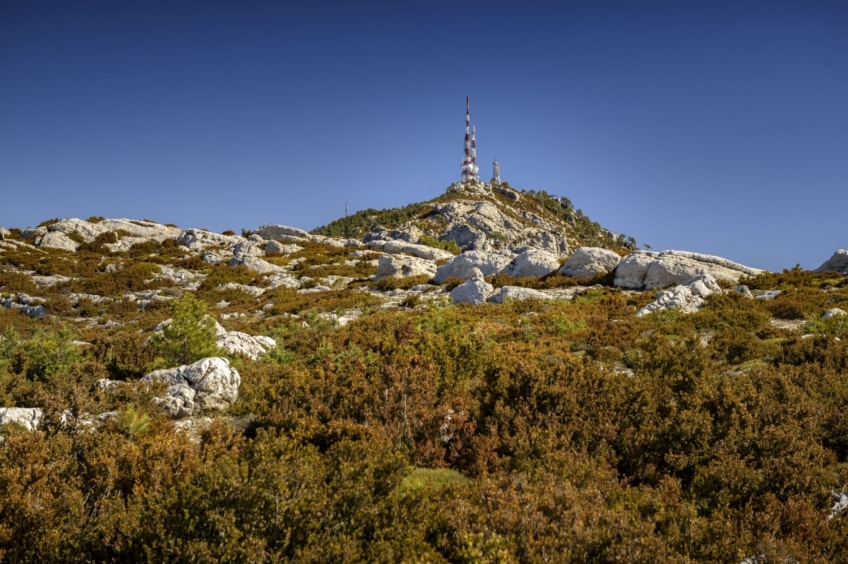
pixel 840 505
pixel 532 262
pixel 277 247
pixel 27 417
pixel 589 262
pixel 508 293
pixel 252 290
pixel 688 297
pixel 744 291
pixel 766 294
pixel 833 312
pixel 838 262
pixel 402 266
pixel 236 342
pixel 208 384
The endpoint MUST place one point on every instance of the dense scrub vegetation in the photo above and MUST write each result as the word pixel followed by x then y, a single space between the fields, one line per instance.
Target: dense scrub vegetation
pixel 534 431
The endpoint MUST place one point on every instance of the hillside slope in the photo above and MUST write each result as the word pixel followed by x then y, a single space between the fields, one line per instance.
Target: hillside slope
pixel 482 217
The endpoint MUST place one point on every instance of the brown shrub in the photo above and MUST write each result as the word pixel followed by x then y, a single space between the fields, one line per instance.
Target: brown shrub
pixel 11 281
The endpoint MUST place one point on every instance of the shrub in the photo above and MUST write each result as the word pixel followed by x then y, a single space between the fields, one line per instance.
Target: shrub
pixel 43 355
pixel 389 283
pixel 189 336
pixel 449 246
pixel 12 281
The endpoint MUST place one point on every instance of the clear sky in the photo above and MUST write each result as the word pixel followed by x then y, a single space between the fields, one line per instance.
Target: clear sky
pixel 716 127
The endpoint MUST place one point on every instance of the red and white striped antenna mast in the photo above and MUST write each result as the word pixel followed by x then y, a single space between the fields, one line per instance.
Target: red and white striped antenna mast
pixel 469 164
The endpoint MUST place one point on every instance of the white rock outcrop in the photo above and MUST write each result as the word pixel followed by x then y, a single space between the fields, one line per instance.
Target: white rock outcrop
pixel 833 313
pixel 532 262
pixel 56 234
pixel 588 262
pixel 649 270
pixel 474 291
pixel 402 266
pixel 838 262
pixel 236 342
pixel 510 293
pixel 27 417
pixel 688 297
pixel 277 247
pixel 198 239
pixel 208 384
pixel 489 263
pixel 282 233
pixel 57 240
pixel 420 251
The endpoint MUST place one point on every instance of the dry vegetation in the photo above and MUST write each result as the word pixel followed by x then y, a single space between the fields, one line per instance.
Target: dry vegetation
pixel 552 431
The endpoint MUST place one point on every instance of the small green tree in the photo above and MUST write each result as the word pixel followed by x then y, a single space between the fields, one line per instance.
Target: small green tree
pixel 189 336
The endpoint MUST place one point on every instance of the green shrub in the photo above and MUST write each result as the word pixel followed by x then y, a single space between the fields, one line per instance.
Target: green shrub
pixel 449 246
pixel 189 336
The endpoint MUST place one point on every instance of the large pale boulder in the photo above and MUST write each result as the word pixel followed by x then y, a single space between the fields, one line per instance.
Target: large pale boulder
pixel 420 251
pixel 27 417
pixel 208 384
pixel 658 270
pixel 836 263
pixel 474 291
pixel 489 263
pixel 532 262
pixel 516 293
pixel 282 233
pixel 688 297
pixel 247 254
pixel 57 240
pixel 274 246
pixel 402 266
pixel 197 239
pixel 588 262
pixel 631 271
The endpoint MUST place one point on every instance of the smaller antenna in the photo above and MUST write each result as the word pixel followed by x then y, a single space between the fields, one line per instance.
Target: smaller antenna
pixel 345 209
pixel 496 172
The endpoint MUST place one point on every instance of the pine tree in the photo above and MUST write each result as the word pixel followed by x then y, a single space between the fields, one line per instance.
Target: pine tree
pixel 189 336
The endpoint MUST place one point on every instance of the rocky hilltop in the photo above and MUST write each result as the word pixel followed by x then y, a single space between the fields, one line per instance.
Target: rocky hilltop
pixel 389 378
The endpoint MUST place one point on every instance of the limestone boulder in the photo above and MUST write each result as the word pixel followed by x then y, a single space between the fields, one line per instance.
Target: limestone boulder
pixel 277 247
pixel 489 263
pixel 836 263
pixel 236 342
pixel 198 239
pixel 631 271
pixel 27 417
pixel 516 293
pixel 420 251
pixel 658 270
pixel 398 266
pixel 208 384
pixel 688 297
pixel 532 262
pixel 474 291
pixel 589 262
pixel 833 313
pixel 282 233
pixel 57 240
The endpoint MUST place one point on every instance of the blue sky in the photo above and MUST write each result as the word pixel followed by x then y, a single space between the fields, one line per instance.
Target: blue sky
pixel 716 127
